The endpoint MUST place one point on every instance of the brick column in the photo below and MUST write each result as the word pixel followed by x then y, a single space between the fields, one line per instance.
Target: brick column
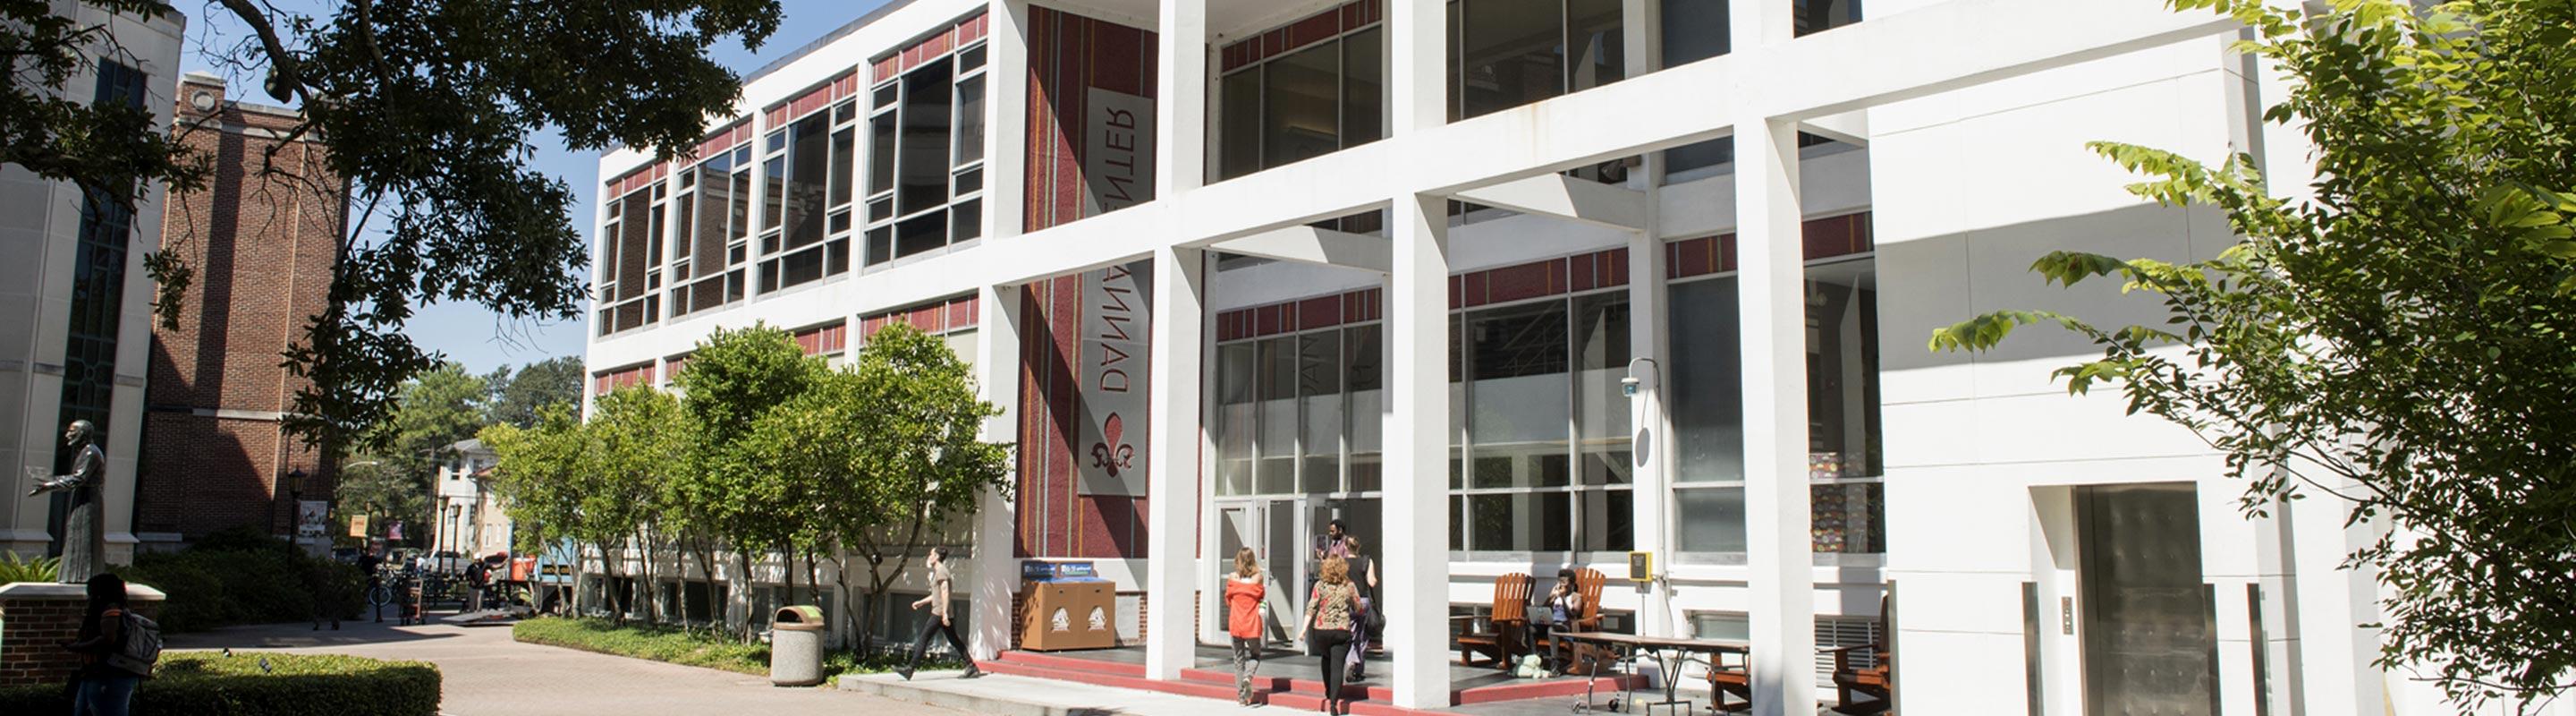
pixel 37 617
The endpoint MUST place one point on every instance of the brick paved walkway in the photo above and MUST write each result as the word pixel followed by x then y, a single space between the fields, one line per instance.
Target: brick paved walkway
pixel 487 674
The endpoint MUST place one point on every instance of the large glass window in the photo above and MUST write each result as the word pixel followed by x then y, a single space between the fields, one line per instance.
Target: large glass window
pixel 629 271
pixel 1316 99
pixel 805 233
pixel 1706 403
pixel 1508 53
pixel 1844 459
pixel 926 157
pixel 1693 30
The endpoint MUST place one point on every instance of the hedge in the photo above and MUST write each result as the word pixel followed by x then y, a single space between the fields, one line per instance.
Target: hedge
pixel 203 683
pixel 689 648
pixel 243 577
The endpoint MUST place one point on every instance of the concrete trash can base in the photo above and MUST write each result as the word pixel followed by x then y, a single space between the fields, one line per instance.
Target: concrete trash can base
pixel 796 646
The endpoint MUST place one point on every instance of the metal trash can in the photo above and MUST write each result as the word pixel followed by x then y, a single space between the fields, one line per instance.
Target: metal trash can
pixel 796 646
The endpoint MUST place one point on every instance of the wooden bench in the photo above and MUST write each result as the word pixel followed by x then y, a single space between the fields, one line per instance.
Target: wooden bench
pixel 1506 630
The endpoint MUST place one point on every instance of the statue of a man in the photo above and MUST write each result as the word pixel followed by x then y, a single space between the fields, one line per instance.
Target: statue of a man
pixel 85 527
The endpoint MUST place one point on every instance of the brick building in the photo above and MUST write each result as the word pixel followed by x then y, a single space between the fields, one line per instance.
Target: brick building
pixel 261 237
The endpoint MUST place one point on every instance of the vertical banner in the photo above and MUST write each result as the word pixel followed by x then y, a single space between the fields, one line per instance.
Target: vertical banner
pixel 358 526
pixel 1115 315
pixel 1118 152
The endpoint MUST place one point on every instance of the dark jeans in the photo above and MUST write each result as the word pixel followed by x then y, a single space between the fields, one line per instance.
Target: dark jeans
pixel 103 695
pixel 921 644
pixel 1334 645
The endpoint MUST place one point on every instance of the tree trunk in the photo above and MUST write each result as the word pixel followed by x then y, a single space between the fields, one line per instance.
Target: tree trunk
pixel 740 588
pixel 644 578
pixel 706 553
pixel 608 589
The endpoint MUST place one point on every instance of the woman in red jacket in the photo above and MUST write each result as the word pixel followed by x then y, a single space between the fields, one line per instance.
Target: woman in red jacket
pixel 1243 593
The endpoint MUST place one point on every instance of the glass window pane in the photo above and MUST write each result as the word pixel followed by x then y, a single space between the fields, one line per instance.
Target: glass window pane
pixel 1821 15
pixel 1519 395
pixel 1842 370
pixel 1520 522
pixel 773 206
pixel 923 169
pixel 970 120
pixel 715 194
pixel 1234 419
pixel 1600 50
pixel 1277 393
pixel 1239 124
pixel 881 152
pixel 809 167
pixel 1693 30
pixel 1601 406
pixel 741 214
pixel 1364 372
pixel 1319 386
pixel 845 151
pixel 1707 401
pixel 920 234
pixel 1301 117
pixel 1608 517
pixel 1363 87
pixel 1712 519
pixel 1513 53
pixel 1849 517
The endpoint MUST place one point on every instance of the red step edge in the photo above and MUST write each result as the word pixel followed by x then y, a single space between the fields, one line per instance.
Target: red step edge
pixel 1510 691
pixel 1087 671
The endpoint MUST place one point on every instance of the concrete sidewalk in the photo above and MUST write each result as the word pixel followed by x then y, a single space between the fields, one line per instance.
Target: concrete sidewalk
pixel 485 672
pixel 1007 695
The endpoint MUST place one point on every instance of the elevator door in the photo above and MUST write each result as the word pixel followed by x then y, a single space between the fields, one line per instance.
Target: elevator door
pixel 2148 641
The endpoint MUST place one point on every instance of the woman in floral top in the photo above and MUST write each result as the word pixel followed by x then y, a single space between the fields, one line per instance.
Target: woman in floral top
pixel 1328 632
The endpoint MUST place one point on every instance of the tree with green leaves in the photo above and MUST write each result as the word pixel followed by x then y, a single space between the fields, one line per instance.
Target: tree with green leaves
pixel 636 448
pixel 2400 333
pixel 883 453
pixel 427 111
pixel 539 479
pixel 518 397
pixel 433 411
pixel 730 495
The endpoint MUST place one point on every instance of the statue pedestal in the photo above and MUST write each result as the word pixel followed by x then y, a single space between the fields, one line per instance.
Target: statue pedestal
pixel 37 617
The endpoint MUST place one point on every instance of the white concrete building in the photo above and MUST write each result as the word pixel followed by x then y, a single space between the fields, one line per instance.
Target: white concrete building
pixel 75 303
pixel 1216 259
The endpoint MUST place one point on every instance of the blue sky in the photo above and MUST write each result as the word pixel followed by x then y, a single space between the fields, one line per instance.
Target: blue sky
pixel 470 334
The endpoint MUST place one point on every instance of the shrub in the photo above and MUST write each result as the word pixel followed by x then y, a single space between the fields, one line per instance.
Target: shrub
pixel 210 684
pixel 244 577
pixel 14 568
pixel 689 648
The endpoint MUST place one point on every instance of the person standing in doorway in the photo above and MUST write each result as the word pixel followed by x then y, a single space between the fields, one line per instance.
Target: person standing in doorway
pixel 939 622
pixel 1243 592
pixel 1328 632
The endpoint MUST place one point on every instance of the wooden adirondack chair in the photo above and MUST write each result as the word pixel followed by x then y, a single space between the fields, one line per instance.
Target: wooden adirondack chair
pixel 1508 628
pixel 1588 582
pixel 1873 680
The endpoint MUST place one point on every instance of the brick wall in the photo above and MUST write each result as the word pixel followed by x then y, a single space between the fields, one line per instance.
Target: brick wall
pixel 33 627
pixel 260 237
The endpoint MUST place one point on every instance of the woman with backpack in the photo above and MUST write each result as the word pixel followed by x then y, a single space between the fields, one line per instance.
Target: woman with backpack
pixel 104 685
pixel 1328 631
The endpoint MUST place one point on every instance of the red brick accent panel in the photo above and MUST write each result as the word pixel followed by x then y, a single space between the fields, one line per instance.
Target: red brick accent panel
pixel 1055 519
pixel 1069 55
pixel 608 380
pixel 824 340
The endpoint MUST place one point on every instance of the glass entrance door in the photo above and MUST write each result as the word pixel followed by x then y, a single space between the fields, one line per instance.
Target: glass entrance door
pixel 2149 645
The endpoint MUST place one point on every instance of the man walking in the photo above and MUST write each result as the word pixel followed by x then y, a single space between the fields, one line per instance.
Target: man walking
pixel 939 620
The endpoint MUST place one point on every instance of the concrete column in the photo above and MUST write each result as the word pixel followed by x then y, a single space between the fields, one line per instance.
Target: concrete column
pixel 1180 91
pixel 1648 315
pixel 1416 545
pixel 1417 46
pixel 1006 130
pixel 1172 502
pixel 997 372
pixel 1780 556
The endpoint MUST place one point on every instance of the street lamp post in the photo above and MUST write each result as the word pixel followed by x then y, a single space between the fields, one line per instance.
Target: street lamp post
pixel 294 508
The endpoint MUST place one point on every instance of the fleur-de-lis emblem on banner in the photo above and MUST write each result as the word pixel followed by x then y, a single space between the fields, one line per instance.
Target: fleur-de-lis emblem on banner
pixel 1112 453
